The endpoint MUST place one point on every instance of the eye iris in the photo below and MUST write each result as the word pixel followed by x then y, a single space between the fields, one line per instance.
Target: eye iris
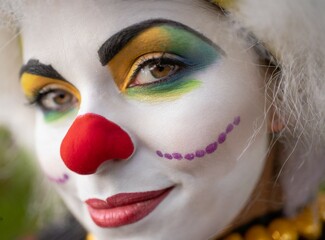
pixel 62 98
pixel 161 70
pixel 58 100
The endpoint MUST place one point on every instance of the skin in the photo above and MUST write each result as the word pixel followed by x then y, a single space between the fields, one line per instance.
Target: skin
pixel 209 193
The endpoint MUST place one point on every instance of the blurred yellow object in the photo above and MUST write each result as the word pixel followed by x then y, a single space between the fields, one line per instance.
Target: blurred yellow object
pixel 257 233
pixel 308 225
pixel 321 204
pixel 234 236
pixel 90 237
pixel 283 229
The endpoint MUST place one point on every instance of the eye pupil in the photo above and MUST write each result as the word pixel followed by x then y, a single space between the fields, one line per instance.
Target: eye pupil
pixel 161 70
pixel 156 68
pixel 62 98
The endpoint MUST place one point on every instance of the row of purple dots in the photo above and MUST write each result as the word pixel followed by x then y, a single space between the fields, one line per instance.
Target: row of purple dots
pixel 211 148
pixel 62 180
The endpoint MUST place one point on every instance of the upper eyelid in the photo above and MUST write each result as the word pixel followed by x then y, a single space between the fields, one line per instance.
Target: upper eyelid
pixel 118 41
pixel 171 38
pixel 45 74
pixel 164 57
pixel 32 83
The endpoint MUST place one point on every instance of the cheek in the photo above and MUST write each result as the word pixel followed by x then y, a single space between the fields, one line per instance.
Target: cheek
pixel 213 124
pixel 48 141
pixel 203 151
pixel 231 193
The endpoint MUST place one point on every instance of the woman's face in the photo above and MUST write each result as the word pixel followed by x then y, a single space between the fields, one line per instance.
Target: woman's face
pixel 184 97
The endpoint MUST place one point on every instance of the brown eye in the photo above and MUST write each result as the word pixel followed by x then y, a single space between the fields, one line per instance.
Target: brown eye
pixel 162 70
pixel 156 67
pixel 56 100
pixel 62 98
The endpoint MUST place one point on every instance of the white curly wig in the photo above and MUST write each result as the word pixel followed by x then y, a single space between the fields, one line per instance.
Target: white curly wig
pixel 293 32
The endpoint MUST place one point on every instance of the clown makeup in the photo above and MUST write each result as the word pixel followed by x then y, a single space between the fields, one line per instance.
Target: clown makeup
pixel 209 149
pixel 156 59
pixel 172 75
pixel 61 180
pixel 43 86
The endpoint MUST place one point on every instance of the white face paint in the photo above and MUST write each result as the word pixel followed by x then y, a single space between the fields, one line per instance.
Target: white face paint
pixel 208 192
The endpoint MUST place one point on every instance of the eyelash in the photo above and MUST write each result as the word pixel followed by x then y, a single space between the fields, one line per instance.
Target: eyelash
pixel 163 59
pixel 38 95
pixel 42 93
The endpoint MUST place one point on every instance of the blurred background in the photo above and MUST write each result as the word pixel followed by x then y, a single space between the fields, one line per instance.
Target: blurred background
pixel 17 176
pixel 27 202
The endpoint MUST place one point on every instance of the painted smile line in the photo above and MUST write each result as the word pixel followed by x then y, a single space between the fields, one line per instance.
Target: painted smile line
pixel 211 148
pixel 125 208
pixel 60 180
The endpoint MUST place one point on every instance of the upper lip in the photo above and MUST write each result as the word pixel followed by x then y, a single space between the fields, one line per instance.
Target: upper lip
pixel 123 199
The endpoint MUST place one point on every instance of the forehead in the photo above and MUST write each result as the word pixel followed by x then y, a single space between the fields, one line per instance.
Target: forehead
pixel 85 22
pixel 68 34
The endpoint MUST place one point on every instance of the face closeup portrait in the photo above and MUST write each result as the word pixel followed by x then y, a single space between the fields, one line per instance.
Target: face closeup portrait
pixel 158 119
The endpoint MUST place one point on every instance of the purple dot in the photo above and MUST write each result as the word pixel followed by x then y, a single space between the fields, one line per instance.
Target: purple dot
pixel 59 180
pixel 66 176
pixel 230 127
pixel 168 156
pixel 200 153
pixel 177 156
pixel 159 154
pixel 237 121
pixel 222 138
pixel 189 156
pixel 211 148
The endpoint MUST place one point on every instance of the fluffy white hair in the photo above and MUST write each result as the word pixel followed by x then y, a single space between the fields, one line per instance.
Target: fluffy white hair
pixel 294 32
pixel 13 113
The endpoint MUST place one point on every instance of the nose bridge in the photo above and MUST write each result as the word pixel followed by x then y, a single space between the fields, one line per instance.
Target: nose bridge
pixel 92 140
pixel 103 100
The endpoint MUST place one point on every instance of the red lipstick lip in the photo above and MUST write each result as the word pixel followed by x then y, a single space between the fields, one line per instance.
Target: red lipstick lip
pixel 125 208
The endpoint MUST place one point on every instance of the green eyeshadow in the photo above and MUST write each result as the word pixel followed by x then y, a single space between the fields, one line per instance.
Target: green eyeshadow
pixel 190 46
pixel 169 90
pixel 195 52
pixel 52 116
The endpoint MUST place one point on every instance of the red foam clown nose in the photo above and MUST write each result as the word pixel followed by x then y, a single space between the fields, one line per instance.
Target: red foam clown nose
pixel 92 140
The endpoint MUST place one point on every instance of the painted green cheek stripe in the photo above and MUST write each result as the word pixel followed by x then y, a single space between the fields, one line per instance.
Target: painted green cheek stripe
pixel 163 92
pixel 54 116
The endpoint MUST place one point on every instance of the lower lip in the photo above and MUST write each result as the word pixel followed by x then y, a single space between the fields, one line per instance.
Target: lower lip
pixel 120 216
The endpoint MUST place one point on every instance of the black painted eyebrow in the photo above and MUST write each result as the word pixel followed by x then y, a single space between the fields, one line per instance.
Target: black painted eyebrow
pixel 117 42
pixel 34 66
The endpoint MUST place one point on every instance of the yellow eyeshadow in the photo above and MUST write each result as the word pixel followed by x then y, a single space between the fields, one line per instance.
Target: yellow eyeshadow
pixel 224 3
pixel 152 40
pixel 32 83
